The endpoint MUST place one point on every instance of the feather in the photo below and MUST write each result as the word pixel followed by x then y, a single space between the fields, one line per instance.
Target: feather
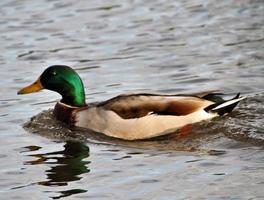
pixel 140 105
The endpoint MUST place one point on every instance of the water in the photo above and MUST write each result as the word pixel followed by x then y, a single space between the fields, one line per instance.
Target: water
pixel 132 46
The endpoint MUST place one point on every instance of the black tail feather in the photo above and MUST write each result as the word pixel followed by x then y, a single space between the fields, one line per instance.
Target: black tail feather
pixel 224 109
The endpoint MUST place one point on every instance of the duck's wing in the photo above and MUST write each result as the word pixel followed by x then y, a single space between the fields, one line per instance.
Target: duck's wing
pixel 206 93
pixel 139 105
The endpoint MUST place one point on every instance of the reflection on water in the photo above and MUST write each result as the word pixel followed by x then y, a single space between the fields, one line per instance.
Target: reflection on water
pixel 66 165
pixel 67 193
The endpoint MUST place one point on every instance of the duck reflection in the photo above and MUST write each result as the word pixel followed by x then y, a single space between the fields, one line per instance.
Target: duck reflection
pixel 65 166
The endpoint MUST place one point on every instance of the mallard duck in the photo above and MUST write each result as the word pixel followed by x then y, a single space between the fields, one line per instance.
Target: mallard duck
pixel 128 116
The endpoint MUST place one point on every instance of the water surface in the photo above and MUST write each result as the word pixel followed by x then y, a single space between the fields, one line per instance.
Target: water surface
pixel 132 46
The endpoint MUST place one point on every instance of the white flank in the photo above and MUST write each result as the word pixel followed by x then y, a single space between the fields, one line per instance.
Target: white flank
pixel 111 124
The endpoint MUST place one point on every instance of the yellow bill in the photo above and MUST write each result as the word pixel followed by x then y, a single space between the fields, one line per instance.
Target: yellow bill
pixel 34 87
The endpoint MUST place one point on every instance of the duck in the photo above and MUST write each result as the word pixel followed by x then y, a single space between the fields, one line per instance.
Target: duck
pixel 135 116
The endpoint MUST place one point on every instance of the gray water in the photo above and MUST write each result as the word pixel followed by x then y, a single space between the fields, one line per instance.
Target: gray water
pixel 123 47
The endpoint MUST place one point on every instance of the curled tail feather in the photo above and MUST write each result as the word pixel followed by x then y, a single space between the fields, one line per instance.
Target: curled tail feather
pixel 225 106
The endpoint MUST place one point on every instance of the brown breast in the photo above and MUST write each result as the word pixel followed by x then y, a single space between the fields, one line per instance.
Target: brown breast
pixel 66 113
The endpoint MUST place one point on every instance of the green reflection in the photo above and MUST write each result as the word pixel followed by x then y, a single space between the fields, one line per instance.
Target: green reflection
pixel 66 166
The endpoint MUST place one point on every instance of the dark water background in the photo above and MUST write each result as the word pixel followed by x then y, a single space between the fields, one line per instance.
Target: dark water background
pixel 132 46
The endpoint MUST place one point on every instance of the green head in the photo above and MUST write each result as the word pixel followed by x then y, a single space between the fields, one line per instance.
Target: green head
pixel 61 79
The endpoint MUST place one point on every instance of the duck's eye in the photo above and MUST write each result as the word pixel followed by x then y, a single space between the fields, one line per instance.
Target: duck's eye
pixel 54 73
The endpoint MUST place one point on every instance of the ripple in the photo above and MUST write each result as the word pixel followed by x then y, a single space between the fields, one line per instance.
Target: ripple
pixel 173 46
